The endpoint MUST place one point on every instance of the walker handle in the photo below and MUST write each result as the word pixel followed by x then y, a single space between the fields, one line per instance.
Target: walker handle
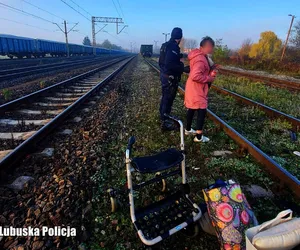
pixel 171 117
pixel 131 141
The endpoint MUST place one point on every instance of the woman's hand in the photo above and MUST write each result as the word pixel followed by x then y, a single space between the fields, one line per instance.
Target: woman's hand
pixel 213 73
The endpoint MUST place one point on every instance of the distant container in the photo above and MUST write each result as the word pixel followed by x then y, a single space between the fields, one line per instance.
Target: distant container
pixel 146 50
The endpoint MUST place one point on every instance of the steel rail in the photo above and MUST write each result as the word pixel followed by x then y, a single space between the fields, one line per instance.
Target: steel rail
pixel 268 80
pixel 27 68
pixel 27 145
pixel 30 97
pixel 273 167
pixel 42 70
pixel 270 111
pixel 27 62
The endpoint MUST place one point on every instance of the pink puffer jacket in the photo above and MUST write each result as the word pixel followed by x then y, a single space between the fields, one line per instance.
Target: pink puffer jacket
pixel 196 88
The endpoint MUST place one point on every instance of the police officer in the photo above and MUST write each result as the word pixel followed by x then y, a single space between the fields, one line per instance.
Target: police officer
pixel 171 69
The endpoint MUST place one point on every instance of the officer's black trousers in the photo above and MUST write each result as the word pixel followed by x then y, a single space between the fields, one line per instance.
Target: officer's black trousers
pixel 168 95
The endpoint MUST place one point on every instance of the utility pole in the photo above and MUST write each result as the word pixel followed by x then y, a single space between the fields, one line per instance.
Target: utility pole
pixel 66 32
pixel 94 35
pixel 67 43
pixel 166 36
pixel 131 46
pixel 106 20
pixel 155 47
pixel 287 37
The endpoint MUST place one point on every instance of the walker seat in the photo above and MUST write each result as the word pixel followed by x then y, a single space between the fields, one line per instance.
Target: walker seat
pixel 159 162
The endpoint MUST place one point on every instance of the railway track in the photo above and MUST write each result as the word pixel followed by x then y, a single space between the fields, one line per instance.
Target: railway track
pixel 268 110
pixel 285 177
pixel 268 80
pixel 27 120
pixel 27 62
pixel 27 71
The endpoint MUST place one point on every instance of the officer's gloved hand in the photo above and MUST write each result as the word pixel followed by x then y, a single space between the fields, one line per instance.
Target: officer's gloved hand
pixel 181 55
pixel 186 69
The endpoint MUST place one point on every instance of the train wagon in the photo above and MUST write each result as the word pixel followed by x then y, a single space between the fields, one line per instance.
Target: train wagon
pixel 44 47
pixel 16 46
pixel 27 47
pixel 146 50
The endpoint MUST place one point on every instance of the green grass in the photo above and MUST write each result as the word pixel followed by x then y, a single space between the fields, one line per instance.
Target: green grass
pixel 271 136
pixel 6 94
pixel 138 116
pixel 280 99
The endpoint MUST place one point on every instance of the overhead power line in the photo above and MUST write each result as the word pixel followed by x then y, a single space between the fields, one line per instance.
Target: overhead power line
pixel 25 24
pixel 75 10
pixel 24 12
pixel 121 9
pixel 81 7
pixel 116 8
pixel 1 6
pixel 42 9
pixel 115 37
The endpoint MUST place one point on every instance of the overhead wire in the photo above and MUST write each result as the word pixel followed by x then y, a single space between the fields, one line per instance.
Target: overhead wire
pixel 26 24
pixel 75 10
pixel 121 9
pixel 81 7
pixel 25 12
pixel 42 9
pixel 116 8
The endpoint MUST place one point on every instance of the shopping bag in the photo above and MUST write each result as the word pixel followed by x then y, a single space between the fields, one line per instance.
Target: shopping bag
pixel 230 214
pixel 281 233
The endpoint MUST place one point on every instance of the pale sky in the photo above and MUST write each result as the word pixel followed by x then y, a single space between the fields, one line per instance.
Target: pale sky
pixel 232 20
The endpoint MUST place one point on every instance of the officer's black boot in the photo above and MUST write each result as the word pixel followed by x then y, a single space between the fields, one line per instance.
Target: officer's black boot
pixel 168 125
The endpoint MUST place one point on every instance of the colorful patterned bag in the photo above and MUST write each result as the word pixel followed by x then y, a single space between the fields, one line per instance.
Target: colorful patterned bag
pixel 230 214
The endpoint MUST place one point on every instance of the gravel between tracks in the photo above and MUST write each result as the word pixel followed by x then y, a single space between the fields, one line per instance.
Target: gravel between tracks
pixel 62 190
pixel 27 85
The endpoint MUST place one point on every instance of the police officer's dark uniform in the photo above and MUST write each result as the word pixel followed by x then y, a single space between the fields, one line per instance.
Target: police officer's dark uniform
pixel 171 71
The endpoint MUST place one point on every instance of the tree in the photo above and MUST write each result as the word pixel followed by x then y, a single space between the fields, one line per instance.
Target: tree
pixel 295 39
pixel 182 45
pixel 108 45
pixel 86 41
pixel 221 51
pixel 244 51
pixel 268 46
pixel 190 43
pixel 187 44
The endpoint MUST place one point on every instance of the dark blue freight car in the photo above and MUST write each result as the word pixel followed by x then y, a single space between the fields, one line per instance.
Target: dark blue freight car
pixel 20 47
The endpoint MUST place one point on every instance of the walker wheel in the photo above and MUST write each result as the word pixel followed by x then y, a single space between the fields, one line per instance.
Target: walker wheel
pixel 114 204
pixel 113 200
pixel 164 185
pixel 163 182
pixel 192 230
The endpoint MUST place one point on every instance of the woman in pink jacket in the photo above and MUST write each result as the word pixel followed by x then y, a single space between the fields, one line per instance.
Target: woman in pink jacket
pixel 201 76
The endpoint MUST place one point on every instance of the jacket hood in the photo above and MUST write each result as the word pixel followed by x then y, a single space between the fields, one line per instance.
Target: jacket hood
pixel 194 53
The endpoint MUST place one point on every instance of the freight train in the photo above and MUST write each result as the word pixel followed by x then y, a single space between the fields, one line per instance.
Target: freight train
pixel 21 47
pixel 146 50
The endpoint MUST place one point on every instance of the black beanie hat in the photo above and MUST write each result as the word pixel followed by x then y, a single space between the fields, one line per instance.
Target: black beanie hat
pixel 176 33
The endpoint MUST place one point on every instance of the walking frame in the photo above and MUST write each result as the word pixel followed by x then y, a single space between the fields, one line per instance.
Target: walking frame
pixel 175 212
